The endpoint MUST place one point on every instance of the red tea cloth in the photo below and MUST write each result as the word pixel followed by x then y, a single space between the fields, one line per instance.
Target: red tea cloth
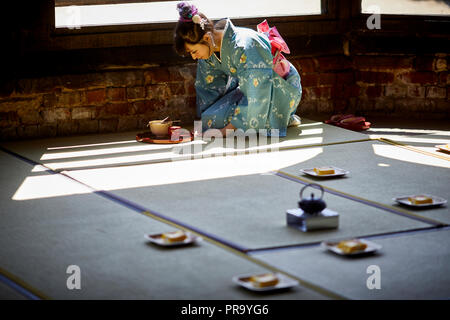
pixel 349 121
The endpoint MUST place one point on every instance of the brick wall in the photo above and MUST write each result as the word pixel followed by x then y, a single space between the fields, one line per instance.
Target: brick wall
pixel 126 99
pixel 377 85
pixel 98 102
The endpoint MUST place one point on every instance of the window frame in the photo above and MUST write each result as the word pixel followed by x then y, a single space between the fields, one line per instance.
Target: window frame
pixel 162 33
pixel 336 18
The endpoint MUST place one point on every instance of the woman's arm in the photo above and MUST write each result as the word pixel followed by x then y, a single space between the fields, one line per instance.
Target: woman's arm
pixel 228 127
pixel 210 85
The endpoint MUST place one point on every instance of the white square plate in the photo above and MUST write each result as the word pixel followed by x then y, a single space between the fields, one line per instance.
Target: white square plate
pixel 283 283
pixel 443 147
pixel 157 239
pixel 437 201
pixel 337 172
pixel 332 246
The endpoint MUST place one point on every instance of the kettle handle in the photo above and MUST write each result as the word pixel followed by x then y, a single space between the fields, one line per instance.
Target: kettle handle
pixel 310 185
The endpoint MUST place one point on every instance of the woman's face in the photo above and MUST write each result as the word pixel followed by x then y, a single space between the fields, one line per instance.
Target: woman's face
pixel 198 50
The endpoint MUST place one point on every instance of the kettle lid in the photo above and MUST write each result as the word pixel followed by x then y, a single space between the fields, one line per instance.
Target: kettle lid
pixel 312 195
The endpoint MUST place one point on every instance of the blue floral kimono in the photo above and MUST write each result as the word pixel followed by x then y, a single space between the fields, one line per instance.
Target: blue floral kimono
pixel 241 86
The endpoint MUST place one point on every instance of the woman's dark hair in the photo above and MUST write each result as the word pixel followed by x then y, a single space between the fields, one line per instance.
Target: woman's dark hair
pixel 187 31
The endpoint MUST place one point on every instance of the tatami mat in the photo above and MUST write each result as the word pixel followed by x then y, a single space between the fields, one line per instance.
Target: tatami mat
pixel 422 144
pixel 380 172
pixel 44 233
pixel 109 150
pixel 8 292
pixel 411 266
pixel 421 135
pixel 92 214
pixel 248 210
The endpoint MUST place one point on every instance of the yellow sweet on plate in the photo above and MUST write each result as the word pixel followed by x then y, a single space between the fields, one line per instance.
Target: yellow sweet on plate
pixel 264 280
pixel 350 246
pixel 174 236
pixel 420 200
pixel 323 171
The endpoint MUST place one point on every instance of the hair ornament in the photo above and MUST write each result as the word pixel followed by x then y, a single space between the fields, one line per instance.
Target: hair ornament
pixel 196 19
pixel 199 20
pixel 186 11
pixel 189 13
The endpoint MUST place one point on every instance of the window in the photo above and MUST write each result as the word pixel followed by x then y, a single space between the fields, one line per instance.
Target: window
pixel 78 16
pixel 407 7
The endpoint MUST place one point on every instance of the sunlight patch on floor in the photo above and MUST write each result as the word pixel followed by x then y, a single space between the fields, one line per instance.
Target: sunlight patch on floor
pixel 48 186
pixel 396 153
pixel 188 171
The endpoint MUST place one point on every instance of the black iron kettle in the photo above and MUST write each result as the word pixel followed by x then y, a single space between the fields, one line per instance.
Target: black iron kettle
pixel 312 205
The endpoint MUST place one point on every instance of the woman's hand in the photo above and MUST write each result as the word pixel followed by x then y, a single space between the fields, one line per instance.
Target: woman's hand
pixel 214 132
pixel 228 127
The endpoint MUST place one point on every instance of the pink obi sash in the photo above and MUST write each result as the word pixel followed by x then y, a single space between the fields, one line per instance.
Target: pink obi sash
pixel 280 63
